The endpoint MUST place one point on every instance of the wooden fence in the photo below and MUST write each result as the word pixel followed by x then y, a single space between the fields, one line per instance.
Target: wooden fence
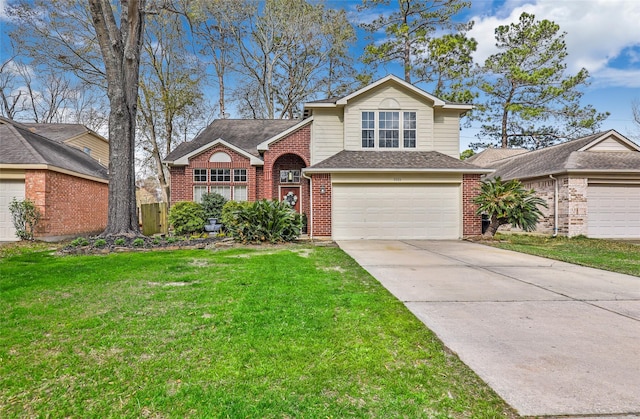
pixel 153 218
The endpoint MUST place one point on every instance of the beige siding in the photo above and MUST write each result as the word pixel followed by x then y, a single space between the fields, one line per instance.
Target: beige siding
pixel 99 147
pixel 447 132
pixel 327 134
pixel 388 97
pixel 610 144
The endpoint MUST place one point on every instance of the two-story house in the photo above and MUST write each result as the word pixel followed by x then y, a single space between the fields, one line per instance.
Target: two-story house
pixel 380 163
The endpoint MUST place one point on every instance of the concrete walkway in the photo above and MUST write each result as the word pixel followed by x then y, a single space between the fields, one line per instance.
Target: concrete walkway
pixel 549 337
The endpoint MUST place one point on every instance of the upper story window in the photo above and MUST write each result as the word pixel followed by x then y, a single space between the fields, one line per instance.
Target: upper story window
pixel 394 129
pixel 368 129
pixel 199 175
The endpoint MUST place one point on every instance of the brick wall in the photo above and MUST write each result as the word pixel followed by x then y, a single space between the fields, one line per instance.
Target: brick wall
pixel 182 182
pixel 321 216
pixel 290 152
pixel 471 222
pixel 69 205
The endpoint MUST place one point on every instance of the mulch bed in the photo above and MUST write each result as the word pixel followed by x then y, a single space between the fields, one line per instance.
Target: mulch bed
pixel 109 244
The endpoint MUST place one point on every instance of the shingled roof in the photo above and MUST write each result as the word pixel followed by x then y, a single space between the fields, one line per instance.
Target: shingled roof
pixel 489 157
pixel 245 134
pixel 394 160
pixel 569 157
pixel 57 132
pixel 21 146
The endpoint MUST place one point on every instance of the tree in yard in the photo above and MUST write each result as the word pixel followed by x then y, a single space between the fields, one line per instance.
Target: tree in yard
pixel 120 42
pixel 170 92
pixel 285 54
pixel 508 203
pixel 635 112
pixel 530 100
pixel 409 32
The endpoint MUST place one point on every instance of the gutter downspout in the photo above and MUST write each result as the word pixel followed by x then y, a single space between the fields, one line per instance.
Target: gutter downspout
pixel 555 206
pixel 310 217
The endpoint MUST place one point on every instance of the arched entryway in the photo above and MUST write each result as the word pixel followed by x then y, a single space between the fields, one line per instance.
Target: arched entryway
pixel 289 184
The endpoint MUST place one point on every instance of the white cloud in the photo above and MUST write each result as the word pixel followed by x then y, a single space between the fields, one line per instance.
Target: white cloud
pixel 597 31
pixel 3 12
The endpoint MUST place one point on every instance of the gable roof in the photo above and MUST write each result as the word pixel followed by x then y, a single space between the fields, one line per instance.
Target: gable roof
pixel 60 132
pixel 22 148
pixel 397 161
pixel 341 101
pixel 241 134
pixel 490 156
pixel 578 155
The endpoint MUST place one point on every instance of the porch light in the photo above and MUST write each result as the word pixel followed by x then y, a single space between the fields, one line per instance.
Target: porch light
pixel 290 176
pixel 323 190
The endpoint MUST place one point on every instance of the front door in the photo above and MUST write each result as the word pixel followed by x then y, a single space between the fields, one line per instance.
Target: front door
pixel 291 194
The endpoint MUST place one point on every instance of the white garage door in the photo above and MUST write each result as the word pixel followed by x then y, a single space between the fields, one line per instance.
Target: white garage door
pixel 383 211
pixel 613 211
pixel 8 190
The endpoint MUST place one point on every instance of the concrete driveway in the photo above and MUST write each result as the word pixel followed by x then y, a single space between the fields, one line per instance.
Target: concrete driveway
pixel 549 337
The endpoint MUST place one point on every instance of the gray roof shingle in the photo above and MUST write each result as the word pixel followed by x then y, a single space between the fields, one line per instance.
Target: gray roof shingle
pixel 566 157
pixel 488 157
pixel 245 134
pixel 57 132
pixel 20 145
pixel 398 160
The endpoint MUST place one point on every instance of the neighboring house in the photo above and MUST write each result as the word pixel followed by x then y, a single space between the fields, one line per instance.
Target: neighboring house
pixel 488 157
pixel 380 163
pixel 61 167
pixel 591 185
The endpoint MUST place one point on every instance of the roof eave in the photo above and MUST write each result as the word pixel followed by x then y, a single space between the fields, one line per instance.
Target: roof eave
pixel 184 160
pixel 479 171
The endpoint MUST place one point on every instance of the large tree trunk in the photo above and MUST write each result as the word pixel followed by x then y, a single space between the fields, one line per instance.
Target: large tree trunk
pixel 120 47
pixel 494 225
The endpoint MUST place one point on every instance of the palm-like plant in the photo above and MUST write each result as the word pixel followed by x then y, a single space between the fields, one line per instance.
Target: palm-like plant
pixel 508 203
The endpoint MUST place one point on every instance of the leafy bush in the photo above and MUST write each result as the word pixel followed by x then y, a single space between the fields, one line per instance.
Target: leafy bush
pixel 25 216
pixel 212 204
pixel 263 220
pixel 119 241
pixel 80 241
pixel 186 217
pixel 228 216
pixel 100 243
pixel 139 242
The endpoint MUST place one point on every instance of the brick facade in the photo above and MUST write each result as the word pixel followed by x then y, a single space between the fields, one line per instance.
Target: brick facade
pixel 321 215
pixel 471 222
pixel 69 205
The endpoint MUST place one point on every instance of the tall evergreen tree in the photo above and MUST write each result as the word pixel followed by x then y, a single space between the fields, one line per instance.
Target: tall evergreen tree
pixel 530 100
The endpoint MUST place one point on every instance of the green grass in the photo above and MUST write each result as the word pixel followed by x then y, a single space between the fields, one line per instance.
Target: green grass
pixel 297 331
pixel 611 255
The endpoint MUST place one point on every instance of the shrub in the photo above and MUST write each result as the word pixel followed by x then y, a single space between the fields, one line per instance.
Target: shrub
pixel 80 241
pixel 212 204
pixel 120 241
pixel 187 217
pixel 139 242
pixel 100 243
pixel 25 216
pixel 229 210
pixel 264 220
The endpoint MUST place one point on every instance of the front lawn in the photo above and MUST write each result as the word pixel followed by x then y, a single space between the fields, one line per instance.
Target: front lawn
pixel 611 255
pixel 293 331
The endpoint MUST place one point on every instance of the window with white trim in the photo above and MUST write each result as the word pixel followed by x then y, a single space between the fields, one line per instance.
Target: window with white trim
pixel 289 176
pixel 239 175
pixel 389 129
pixel 199 175
pixel 240 193
pixel 198 191
pixel 224 190
pixel 220 175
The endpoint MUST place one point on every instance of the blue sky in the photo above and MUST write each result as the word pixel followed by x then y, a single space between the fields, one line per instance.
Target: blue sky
pixel 603 36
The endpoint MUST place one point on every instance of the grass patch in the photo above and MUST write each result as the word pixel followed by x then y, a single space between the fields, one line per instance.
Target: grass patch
pixel 611 255
pixel 292 331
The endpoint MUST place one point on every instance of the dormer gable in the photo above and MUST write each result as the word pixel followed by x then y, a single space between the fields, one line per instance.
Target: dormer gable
pixel 611 141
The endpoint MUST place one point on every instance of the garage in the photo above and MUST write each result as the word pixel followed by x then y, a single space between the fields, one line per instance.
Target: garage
pixel 396 211
pixel 613 211
pixel 9 189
